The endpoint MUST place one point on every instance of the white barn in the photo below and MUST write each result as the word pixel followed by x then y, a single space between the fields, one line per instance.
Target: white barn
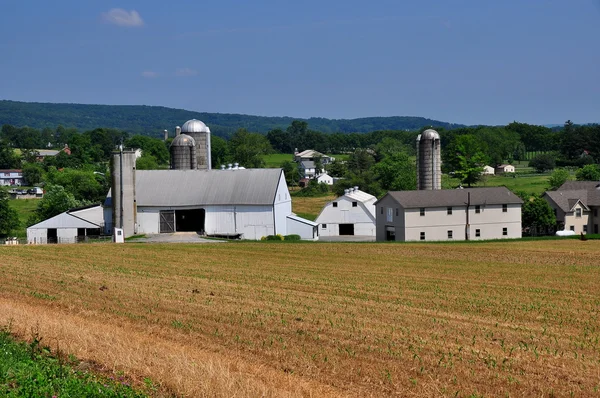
pixel 350 214
pixel 239 203
pixel 72 226
pixel 446 215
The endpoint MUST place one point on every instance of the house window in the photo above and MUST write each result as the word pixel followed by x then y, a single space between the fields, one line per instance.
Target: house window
pixel 422 235
pixel 334 204
pixel 504 208
pixel 477 233
pixel 323 226
pixel 390 214
pixel 381 209
pixel 449 210
pixel 578 213
pixel 396 212
pixel 595 212
pixel 354 204
pixel 504 231
pixel 477 209
pixel 585 229
pixel 449 234
pixel 572 228
pixel 422 212
pixel 555 212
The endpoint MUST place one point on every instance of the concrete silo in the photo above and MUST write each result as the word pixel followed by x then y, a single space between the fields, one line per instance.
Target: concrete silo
pixel 124 212
pixel 429 161
pixel 183 153
pixel 201 134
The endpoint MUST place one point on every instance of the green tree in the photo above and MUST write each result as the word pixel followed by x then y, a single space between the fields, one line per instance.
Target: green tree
pixel 32 173
pixel 82 184
pixel 336 169
pixel 558 177
pixel 290 170
pixel 9 219
pixel 537 215
pixel 396 172
pixel 219 151
pixel 465 158
pixel 55 201
pixel 248 149
pixel 8 158
pixel 543 162
pixel 590 172
pixel 150 146
pixel 146 162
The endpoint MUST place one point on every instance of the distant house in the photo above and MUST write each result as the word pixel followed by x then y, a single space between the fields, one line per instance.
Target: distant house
pixel 488 170
pixel 350 214
pixel 72 226
pixel 312 155
pixel 307 169
pixel 453 214
pixel 44 153
pixel 11 177
pixel 325 179
pixel 576 205
pixel 505 168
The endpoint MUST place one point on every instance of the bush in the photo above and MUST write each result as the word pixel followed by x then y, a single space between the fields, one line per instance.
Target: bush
pixel 272 237
pixel 543 162
pixel 292 237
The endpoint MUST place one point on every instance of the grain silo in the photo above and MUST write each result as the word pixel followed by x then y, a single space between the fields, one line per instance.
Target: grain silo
pixel 123 191
pixel 201 134
pixel 429 161
pixel 183 153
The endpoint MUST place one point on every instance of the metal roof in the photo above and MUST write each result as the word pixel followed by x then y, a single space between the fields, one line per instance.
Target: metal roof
pixel 66 220
pixel 454 197
pixel 361 196
pixel 194 126
pixel 309 153
pixel 206 187
pixel 429 134
pixel 183 140
pixel 302 220
pixel 307 164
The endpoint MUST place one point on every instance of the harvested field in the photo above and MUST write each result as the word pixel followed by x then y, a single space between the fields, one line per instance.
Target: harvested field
pixel 315 319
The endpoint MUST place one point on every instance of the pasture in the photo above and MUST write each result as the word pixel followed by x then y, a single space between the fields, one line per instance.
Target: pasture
pixel 511 318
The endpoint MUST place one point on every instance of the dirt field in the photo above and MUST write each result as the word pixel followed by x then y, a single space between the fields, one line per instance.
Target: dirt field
pixel 319 319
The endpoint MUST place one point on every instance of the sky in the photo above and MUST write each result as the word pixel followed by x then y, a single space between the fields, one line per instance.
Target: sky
pixel 461 61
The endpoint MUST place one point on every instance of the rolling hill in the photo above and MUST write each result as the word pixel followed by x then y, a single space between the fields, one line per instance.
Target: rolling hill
pixel 152 120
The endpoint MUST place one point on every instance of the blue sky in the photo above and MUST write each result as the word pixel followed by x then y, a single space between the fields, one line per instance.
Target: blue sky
pixel 462 61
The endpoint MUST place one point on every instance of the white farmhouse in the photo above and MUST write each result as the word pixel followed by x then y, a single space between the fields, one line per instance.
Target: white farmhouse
pixel 350 214
pixel 457 214
pixel 505 168
pixel 11 177
pixel 488 170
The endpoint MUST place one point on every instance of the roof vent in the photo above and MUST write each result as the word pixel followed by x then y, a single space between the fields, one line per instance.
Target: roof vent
pixel 355 188
pixel 236 166
pixel 222 167
pixel 177 130
pixel 229 166
pixel 346 191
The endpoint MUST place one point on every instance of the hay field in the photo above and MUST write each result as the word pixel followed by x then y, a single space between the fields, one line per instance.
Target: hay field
pixel 317 319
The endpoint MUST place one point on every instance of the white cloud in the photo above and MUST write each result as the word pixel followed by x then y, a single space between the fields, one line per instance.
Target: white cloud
pixel 185 72
pixel 121 17
pixel 149 74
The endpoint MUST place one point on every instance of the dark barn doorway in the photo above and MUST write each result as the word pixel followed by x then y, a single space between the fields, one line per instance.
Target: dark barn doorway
pixel 189 220
pixel 346 229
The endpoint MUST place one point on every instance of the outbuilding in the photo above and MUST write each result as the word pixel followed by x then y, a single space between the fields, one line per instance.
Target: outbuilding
pixel 72 226
pixel 351 214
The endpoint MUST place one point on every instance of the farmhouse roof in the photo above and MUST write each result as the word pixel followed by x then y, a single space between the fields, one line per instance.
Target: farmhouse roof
pixel 206 187
pixel 309 153
pixel 454 197
pixel 361 196
pixel 307 164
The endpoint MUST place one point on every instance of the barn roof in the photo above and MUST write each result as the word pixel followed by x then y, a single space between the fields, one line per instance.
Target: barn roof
pixel 66 220
pixel 454 197
pixel 206 187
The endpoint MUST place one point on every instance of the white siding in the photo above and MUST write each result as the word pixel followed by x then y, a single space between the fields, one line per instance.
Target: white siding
pixel 345 213
pixel 148 220
pixel 282 207
pixel 305 230
pixel 490 221
pixel 36 236
pixel 571 219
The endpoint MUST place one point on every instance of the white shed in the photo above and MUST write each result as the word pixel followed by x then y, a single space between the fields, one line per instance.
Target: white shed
pixel 324 179
pixel 308 230
pixel 488 170
pixel 350 214
pixel 69 227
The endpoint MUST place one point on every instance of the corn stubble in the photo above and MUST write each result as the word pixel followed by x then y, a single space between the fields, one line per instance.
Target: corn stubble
pixel 272 319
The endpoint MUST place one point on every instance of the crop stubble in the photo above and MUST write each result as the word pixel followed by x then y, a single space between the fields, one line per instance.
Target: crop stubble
pixel 272 319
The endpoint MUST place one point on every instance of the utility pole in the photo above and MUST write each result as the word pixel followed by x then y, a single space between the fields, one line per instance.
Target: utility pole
pixel 467 226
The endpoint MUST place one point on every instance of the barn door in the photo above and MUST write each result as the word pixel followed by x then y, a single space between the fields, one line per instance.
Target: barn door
pixel 167 221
